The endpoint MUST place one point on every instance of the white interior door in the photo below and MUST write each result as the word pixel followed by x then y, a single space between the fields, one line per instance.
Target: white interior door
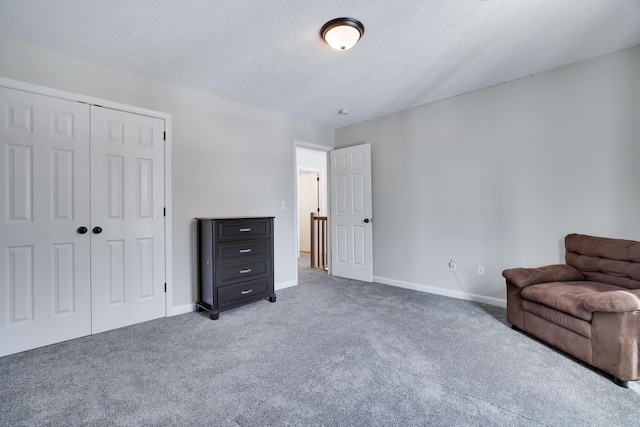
pixel 45 294
pixel 308 199
pixel 350 221
pixel 127 206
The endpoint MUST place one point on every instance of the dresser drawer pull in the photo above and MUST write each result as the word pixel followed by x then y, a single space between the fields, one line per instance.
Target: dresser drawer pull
pixel 244 230
pixel 248 291
pixel 245 271
pixel 245 251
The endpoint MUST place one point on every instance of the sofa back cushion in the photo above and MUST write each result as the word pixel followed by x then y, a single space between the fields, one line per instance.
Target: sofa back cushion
pixel 613 261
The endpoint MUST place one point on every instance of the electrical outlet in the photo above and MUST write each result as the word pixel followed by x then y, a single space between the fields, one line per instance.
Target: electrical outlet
pixel 453 265
pixel 480 270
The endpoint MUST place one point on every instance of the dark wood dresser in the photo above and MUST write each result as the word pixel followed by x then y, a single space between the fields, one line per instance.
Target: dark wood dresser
pixel 235 262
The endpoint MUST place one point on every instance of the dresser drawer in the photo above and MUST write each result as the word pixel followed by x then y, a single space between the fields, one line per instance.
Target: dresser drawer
pixel 236 229
pixel 235 294
pixel 235 273
pixel 244 250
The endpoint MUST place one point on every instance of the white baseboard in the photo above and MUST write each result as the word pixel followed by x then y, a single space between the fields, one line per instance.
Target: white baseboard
pixel 284 285
pixel 183 309
pixel 188 308
pixel 440 291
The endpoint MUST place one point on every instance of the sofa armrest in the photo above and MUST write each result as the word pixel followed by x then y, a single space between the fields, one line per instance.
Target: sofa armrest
pixel 614 339
pixel 522 277
pixel 614 301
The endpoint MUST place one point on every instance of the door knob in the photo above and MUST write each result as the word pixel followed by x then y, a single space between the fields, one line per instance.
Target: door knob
pixel 366 220
pixel 97 230
pixel 82 230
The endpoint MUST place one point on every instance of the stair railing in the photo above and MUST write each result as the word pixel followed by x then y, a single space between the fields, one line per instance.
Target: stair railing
pixel 319 242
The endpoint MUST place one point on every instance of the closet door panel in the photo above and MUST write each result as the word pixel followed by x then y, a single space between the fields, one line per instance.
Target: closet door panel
pixel 44 191
pixel 127 169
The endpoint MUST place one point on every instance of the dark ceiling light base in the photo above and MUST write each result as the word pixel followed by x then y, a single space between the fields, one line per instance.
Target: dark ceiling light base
pixel 339 33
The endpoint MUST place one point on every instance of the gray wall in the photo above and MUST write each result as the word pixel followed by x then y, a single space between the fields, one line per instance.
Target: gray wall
pixel 495 177
pixel 228 159
pixel 499 176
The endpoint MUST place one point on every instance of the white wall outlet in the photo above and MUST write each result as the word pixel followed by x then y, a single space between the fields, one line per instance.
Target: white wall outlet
pixel 283 205
pixel 453 265
pixel 480 270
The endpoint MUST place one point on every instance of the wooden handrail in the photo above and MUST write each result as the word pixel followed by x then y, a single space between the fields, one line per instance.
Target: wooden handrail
pixel 318 242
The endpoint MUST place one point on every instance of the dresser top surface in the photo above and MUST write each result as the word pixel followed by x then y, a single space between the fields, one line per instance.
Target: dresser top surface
pixel 235 217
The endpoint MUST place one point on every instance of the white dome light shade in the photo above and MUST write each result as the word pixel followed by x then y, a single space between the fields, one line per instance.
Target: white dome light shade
pixel 342 37
pixel 342 33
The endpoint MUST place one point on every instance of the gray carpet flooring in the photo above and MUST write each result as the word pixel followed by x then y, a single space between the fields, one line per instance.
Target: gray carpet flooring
pixel 329 352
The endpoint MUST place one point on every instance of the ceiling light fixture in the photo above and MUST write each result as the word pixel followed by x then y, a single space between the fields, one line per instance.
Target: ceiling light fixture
pixel 342 33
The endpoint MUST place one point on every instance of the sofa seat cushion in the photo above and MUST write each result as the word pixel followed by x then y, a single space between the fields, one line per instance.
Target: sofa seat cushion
pixel 568 297
pixel 567 321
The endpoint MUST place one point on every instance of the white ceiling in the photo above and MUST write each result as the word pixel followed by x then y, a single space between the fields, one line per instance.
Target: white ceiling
pixel 268 53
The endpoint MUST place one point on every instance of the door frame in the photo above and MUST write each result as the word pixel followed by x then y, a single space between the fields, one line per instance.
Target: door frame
pixel 69 96
pixel 321 148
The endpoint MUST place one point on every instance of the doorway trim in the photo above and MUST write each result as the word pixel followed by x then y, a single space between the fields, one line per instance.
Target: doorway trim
pixel 70 96
pixel 316 147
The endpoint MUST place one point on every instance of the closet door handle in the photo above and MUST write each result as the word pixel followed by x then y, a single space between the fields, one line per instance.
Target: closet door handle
pixel 82 230
pixel 97 230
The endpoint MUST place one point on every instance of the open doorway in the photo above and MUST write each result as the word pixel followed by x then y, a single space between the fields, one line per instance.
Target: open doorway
pixel 308 207
pixel 311 194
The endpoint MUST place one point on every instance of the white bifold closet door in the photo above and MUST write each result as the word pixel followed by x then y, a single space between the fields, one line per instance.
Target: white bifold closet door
pixel 44 187
pixel 68 168
pixel 127 204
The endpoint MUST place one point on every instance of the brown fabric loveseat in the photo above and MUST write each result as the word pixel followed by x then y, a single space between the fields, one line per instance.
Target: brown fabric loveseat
pixel 588 307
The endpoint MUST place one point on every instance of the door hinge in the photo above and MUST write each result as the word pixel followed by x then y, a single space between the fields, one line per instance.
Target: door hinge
pixel 164 136
pixel 318 179
pixel 165 288
pixel 164 211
